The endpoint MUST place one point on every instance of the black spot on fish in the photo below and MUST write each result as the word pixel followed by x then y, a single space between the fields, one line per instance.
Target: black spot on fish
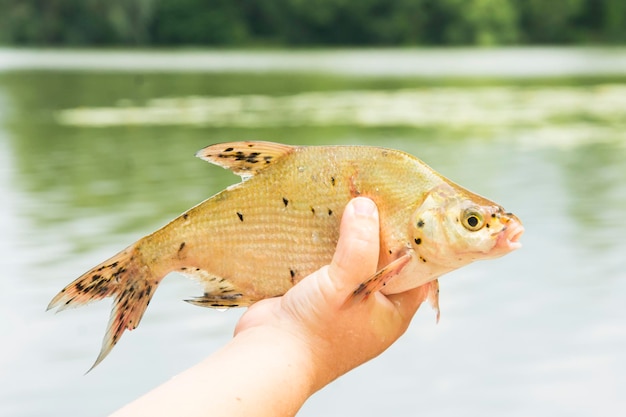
pixel 487 225
pixel 420 223
pixel 418 241
pixel 113 265
pixel 390 251
pixel 197 269
pixel 292 273
pixel 267 158
pixel 185 216
pixel 79 287
pixel 332 181
pixel 285 201
pixel 184 268
pixel 240 215
pixel 330 212
pixel 217 305
pixel 95 277
pixel 228 149
pixel 423 259
pixel 493 215
pixel 181 247
pixel 252 157
pixel 312 210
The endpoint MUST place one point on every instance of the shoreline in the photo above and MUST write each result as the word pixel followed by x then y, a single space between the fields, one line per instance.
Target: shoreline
pixel 512 62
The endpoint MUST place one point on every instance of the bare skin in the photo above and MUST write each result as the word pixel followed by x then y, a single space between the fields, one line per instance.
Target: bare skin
pixel 287 348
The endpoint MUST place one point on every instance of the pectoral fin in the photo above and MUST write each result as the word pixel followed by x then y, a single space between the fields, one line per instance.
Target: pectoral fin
pixel 244 158
pixel 379 279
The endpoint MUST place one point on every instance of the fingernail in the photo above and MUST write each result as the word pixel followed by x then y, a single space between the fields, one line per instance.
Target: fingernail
pixel 364 207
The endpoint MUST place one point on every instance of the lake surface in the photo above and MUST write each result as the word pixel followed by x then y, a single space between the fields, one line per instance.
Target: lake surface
pixel 91 160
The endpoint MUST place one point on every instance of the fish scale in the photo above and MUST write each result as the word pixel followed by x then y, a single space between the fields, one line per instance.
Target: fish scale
pixel 258 238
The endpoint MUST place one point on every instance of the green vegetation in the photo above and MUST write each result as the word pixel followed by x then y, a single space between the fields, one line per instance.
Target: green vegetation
pixel 310 22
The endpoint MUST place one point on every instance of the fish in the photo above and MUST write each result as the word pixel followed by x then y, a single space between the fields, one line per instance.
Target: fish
pixel 258 238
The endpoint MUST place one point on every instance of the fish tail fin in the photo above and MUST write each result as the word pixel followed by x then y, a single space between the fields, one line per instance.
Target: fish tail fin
pixel 124 276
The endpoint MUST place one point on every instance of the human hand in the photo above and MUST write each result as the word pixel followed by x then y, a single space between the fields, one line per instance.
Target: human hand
pixel 335 336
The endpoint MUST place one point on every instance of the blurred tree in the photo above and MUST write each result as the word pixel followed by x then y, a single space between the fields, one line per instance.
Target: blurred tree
pixel 551 21
pixel 74 22
pixel 197 22
pixel 310 22
pixel 479 22
pixel 614 20
pixel 339 22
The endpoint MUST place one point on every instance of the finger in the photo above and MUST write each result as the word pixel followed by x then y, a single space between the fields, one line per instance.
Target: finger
pixel 356 256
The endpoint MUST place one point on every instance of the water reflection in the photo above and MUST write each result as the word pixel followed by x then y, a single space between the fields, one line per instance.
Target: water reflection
pixel 540 332
pixel 596 175
pixel 440 107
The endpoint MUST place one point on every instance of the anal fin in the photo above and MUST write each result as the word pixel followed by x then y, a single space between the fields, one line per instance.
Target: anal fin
pixel 219 300
pixel 219 292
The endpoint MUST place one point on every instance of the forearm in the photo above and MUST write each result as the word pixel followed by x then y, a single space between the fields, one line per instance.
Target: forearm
pixel 259 373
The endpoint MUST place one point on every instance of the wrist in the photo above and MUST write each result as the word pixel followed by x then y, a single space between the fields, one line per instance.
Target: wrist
pixel 287 358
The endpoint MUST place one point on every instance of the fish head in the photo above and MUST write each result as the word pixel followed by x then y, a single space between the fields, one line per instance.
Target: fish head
pixel 453 227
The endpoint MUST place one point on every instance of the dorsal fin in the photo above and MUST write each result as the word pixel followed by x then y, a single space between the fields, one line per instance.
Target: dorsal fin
pixel 244 158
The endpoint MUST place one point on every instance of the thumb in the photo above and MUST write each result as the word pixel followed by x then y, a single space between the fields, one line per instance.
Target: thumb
pixel 356 256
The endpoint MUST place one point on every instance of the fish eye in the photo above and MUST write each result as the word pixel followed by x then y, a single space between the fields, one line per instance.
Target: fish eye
pixel 473 219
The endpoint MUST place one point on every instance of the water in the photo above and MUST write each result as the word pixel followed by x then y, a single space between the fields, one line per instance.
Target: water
pixel 540 332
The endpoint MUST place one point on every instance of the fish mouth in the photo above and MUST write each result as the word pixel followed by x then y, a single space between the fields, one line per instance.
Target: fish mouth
pixel 513 234
pixel 510 235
